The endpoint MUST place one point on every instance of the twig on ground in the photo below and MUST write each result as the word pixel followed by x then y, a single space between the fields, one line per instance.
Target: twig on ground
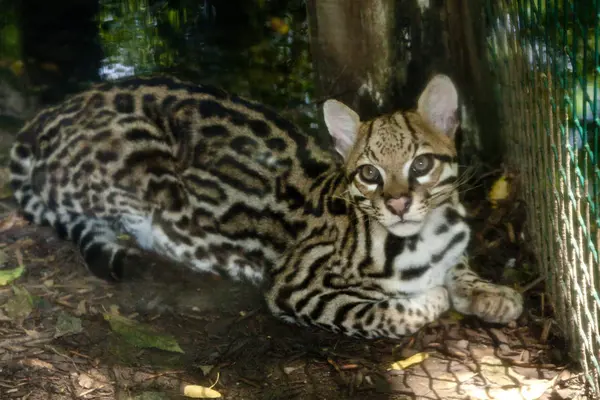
pixel 533 284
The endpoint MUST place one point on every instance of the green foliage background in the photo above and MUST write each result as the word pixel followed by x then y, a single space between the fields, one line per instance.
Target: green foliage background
pixel 255 48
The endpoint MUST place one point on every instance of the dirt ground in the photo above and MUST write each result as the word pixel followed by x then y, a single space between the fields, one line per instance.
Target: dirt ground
pixel 57 340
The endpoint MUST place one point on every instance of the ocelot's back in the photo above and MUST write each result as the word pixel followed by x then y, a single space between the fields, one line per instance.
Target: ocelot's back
pixel 123 150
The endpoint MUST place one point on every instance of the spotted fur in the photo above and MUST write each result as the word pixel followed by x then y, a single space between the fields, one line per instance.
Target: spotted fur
pixel 370 246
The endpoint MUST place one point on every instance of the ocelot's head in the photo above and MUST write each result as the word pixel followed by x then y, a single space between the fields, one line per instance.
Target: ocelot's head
pixel 402 165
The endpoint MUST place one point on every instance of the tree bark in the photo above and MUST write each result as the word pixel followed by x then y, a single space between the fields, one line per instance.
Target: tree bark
pixel 377 55
pixel 352 52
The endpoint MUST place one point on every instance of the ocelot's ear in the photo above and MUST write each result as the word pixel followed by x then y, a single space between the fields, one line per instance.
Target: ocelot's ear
pixel 342 123
pixel 438 105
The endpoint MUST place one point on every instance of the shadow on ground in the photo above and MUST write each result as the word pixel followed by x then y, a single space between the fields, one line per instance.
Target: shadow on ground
pixel 228 337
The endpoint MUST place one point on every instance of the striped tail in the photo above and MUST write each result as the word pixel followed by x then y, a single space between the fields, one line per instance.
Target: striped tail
pixel 96 238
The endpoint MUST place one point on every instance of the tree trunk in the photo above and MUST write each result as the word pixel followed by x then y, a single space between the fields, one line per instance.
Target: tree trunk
pixel 60 45
pixel 376 56
pixel 352 52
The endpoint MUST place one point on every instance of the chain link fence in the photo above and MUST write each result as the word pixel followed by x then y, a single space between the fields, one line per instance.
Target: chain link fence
pixel 545 60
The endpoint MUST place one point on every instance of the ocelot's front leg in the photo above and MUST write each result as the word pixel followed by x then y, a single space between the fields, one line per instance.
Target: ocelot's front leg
pixel 357 311
pixel 312 286
pixel 471 295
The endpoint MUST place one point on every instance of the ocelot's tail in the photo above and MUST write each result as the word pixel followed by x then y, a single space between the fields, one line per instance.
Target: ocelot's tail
pixel 95 238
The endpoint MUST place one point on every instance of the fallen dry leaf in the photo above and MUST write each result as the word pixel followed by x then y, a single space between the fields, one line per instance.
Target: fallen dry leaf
pixel 346 367
pixel 414 359
pixel 85 381
pixel 37 363
pixel 141 335
pixel 200 392
pixel 289 370
pixel 10 221
pixel 17 67
pixel 20 306
pixel 92 379
pixel 9 275
pixel 80 308
pixel 67 324
pixel 499 191
pixel 279 25
pixel 206 369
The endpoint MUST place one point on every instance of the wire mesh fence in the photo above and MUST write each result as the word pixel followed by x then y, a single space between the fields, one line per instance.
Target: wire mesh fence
pixel 546 64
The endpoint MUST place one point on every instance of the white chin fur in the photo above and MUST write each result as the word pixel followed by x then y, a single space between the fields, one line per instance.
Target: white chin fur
pixel 405 228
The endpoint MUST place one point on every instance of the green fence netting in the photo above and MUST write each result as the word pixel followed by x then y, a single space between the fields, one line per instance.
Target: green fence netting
pixel 546 66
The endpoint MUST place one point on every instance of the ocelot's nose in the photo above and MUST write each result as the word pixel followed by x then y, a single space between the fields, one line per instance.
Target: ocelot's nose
pixel 399 205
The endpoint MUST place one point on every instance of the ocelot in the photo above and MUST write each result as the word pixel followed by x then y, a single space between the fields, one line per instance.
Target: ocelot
pixel 369 244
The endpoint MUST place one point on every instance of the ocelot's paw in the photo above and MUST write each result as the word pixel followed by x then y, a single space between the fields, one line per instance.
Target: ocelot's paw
pixel 496 303
pixel 420 310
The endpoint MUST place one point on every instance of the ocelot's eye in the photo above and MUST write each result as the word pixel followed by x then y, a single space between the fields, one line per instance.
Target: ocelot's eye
pixel 422 164
pixel 369 174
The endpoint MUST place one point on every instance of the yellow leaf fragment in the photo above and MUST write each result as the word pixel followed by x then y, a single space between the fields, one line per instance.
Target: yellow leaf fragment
pixel 279 26
pixel 499 191
pixel 455 316
pixel 414 359
pixel 17 67
pixel 200 392
pixel 9 275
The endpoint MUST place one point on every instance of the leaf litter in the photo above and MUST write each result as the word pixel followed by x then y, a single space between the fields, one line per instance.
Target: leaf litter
pixel 9 275
pixel 141 335
pixel 18 307
pixel 67 324
pixel 249 353
pixel 201 392
pixel 414 359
